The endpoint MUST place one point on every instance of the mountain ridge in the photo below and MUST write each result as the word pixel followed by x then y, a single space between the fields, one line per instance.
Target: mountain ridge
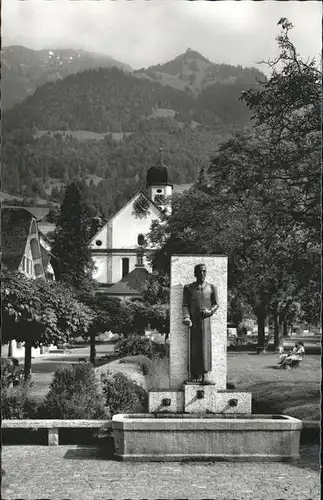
pixel 109 123
pixel 24 69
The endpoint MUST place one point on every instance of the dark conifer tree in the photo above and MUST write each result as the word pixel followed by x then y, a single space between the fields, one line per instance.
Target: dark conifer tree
pixel 71 239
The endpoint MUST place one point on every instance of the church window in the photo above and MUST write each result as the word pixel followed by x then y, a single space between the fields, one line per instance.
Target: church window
pixel 125 266
pixel 159 190
pixel 141 239
pixel 98 243
pixel 140 258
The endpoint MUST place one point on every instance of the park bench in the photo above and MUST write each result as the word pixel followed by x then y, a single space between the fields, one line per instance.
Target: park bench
pixel 295 363
pixel 53 426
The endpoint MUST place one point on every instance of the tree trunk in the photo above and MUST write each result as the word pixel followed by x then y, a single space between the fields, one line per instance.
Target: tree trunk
pixel 278 333
pixel 27 367
pixel 10 349
pixel 92 348
pixel 261 317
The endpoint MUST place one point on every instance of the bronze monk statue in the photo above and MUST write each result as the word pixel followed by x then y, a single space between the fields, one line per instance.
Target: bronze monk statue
pixel 200 301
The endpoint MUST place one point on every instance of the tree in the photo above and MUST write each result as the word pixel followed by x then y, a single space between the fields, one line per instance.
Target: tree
pixel 38 313
pixel 286 313
pixel 155 295
pixel 71 239
pixel 106 311
pixel 53 214
pixel 259 202
pixel 277 167
pixel 132 319
pixel 156 289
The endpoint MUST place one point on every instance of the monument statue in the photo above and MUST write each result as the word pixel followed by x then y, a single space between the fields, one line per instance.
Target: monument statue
pixel 200 301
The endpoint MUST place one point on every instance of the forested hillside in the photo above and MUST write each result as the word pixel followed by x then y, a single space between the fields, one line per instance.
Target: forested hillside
pixel 193 72
pixel 24 69
pixel 109 100
pixel 109 124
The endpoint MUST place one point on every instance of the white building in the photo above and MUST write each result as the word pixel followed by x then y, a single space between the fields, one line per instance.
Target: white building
pixel 22 250
pixel 117 248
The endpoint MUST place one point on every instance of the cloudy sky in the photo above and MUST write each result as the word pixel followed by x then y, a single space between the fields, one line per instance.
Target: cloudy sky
pixel 143 33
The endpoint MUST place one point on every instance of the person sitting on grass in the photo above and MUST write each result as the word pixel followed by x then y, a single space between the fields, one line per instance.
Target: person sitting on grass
pixel 292 357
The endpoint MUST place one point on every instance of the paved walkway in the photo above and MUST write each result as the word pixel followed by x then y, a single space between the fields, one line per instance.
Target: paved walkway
pixel 86 473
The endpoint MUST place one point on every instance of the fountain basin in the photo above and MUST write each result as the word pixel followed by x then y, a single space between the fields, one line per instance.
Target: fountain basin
pixel 195 437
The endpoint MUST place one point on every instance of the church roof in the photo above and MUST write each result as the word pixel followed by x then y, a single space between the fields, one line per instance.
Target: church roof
pixel 122 288
pixel 136 278
pixel 158 174
pixel 130 284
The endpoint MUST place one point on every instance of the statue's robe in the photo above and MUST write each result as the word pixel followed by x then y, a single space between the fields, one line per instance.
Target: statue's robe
pixel 195 298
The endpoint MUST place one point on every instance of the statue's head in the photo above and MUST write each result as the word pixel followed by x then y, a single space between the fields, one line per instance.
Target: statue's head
pixel 200 272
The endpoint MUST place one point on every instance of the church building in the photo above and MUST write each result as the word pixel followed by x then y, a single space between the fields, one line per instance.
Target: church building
pixel 117 248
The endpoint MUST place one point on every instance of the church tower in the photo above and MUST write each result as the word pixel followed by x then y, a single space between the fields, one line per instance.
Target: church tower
pixel 158 187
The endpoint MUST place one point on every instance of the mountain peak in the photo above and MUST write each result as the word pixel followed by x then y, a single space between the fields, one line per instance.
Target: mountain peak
pixel 194 54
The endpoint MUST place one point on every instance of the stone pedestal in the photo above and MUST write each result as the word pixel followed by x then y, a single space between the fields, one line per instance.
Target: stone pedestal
pixel 166 401
pixel 182 273
pixel 200 398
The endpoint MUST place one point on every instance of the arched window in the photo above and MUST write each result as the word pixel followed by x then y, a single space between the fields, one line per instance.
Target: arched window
pixel 141 239
pixel 125 266
pixel 140 258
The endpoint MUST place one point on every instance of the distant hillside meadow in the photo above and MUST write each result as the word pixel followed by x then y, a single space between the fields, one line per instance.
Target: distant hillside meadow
pixel 109 123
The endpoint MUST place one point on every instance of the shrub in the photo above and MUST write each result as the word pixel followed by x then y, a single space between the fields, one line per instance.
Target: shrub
pixel 133 346
pixel 142 361
pixel 74 394
pixel 120 394
pixel 15 403
pixel 131 319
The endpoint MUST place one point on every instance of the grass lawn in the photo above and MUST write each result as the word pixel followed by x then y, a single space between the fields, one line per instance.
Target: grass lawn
pixel 294 392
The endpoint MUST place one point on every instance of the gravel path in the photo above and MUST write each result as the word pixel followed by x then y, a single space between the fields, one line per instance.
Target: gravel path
pixel 87 473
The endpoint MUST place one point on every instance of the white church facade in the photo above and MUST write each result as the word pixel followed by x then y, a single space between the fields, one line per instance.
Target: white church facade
pixel 117 247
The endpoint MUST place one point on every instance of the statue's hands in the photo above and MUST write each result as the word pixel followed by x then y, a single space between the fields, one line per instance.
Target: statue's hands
pixel 187 322
pixel 206 313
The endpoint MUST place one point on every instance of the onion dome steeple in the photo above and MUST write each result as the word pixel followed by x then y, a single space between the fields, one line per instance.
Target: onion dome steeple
pixel 157 175
pixel 158 187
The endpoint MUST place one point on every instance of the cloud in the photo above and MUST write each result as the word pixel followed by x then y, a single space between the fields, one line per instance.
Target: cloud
pixel 144 33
